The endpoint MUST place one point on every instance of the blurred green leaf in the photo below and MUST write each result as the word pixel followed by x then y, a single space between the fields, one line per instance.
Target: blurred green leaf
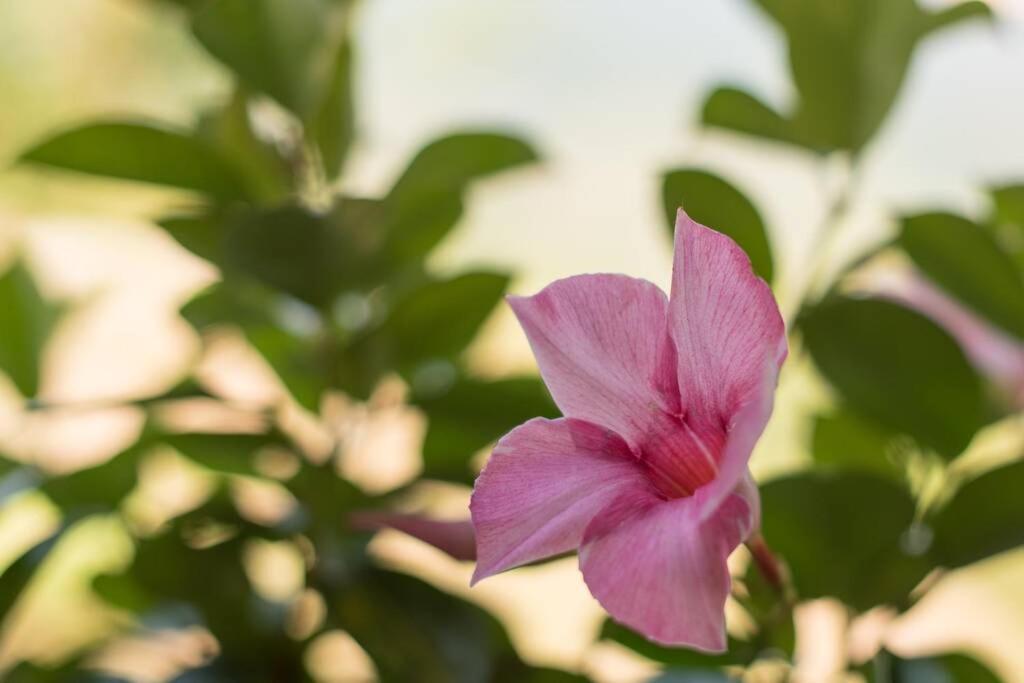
pixel 714 202
pixel 141 152
pixel 733 109
pixel 860 519
pixel 295 360
pixel 844 440
pixel 99 488
pixel 983 518
pixel 1008 219
pixel 693 676
pixel 737 652
pixel 897 367
pixel 442 638
pixel 289 248
pixel 27 321
pixel 427 199
pixel 226 453
pixel 273 46
pixel 16 577
pixel 472 414
pixel 425 330
pixel 848 59
pixel 332 124
pixel 951 668
pixel 265 173
pixel 966 261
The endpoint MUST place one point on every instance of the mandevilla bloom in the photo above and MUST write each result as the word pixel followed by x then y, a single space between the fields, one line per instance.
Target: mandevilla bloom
pixel 646 474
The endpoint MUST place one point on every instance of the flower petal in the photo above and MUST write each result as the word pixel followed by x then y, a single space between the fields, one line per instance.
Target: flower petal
pixel 730 341
pixel 454 537
pixel 543 484
pixel 658 567
pixel 602 345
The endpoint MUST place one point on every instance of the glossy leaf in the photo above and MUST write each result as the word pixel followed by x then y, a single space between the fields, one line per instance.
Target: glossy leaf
pixel 848 60
pixel 967 262
pixel 714 202
pixel 427 200
pixel 27 321
pixel 950 668
pixel 897 367
pixel 141 152
pixel 983 518
pixel 842 535
pixel 472 414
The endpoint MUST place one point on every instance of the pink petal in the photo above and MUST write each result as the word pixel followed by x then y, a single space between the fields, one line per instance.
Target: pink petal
pixel 455 538
pixel 660 568
pixel 603 350
pixel 730 341
pixel 543 484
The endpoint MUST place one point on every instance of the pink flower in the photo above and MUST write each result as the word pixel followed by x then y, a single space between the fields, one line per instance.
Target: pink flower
pixel 646 475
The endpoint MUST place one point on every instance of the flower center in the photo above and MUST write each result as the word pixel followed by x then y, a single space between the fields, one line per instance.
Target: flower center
pixel 682 456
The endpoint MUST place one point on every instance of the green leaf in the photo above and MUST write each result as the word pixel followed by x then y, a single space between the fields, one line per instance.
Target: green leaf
pixel 858 521
pixel 441 638
pixel 734 109
pixel 273 46
pixel 1008 220
pixel 99 488
pixel 950 668
pixel 440 318
pixel 296 360
pixel 843 440
pixel 714 202
pixel 331 127
pixel 141 152
pixel 848 59
pixel 27 321
pixel 737 651
pixel 289 248
pixel 472 414
pixel 426 201
pixel 983 518
pixel 897 367
pixel 16 578
pixel 966 261
pixel 693 676
pixel 226 453
pixel 266 174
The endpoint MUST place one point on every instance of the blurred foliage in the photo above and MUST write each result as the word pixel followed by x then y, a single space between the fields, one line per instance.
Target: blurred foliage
pixel 331 288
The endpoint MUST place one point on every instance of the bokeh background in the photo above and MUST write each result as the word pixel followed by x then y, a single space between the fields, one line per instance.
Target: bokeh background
pixel 192 409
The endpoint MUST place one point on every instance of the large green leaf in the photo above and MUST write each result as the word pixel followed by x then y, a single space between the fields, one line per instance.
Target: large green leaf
pixel 26 323
pixel 848 59
pixel 472 414
pixel 1008 218
pixel 142 152
pixel 736 653
pixel 275 47
pixel 427 199
pixel 227 453
pixel 983 518
pixel 966 261
pixel 841 534
pixel 714 202
pixel 844 440
pixel 16 577
pixel 897 367
pixel 101 488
